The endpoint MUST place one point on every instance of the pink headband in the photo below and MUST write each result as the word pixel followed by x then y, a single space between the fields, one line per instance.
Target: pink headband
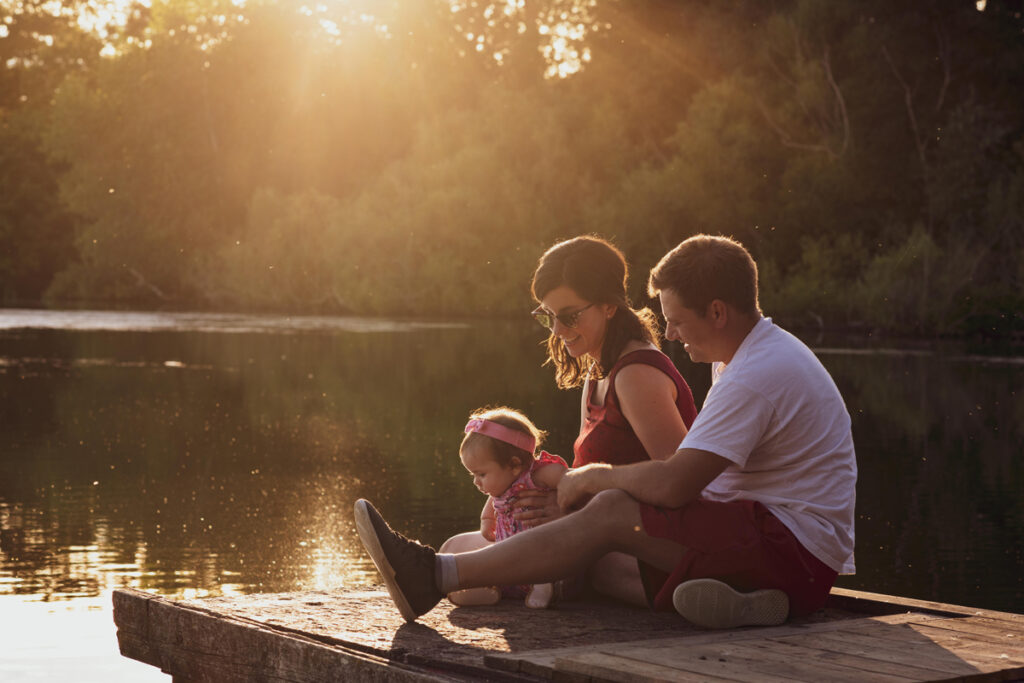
pixel 502 433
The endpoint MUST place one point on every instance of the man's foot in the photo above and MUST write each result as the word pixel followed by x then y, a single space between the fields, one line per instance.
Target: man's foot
pixel 713 604
pixel 406 566
pixel 540 595
pixel 475 597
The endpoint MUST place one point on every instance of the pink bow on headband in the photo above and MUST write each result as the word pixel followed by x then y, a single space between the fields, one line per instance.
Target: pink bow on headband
pixel 502 433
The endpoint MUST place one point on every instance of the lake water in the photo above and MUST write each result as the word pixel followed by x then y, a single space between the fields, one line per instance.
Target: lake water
pixel 199 454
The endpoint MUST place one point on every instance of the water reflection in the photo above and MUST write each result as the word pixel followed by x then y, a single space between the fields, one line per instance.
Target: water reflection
pixel 196 463
pixel 177 321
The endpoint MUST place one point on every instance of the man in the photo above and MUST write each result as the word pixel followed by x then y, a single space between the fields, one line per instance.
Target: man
pixel 750 521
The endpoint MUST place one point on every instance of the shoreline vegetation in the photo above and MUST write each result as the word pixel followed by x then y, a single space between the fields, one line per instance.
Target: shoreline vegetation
pixel 415 159
pixel 1006 346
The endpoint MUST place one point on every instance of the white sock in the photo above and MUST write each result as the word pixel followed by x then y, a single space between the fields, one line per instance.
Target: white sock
pixel 446 573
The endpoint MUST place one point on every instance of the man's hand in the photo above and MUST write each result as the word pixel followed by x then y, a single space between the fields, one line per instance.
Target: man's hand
pixel 578 485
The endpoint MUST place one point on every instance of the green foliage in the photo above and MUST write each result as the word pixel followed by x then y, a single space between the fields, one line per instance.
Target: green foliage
pixel 817 290
pixel 280 259
pixel 382 157
pixel 917 285
pixel 40 44
pixel 35 231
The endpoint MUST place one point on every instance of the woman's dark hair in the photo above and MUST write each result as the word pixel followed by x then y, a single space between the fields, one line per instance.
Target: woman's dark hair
pixel 505 453
pixel 596 271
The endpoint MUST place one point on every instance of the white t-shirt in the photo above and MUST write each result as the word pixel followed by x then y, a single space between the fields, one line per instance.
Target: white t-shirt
pixel 775 412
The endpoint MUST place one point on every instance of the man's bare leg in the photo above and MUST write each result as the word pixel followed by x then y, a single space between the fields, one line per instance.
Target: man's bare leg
pixel 568 546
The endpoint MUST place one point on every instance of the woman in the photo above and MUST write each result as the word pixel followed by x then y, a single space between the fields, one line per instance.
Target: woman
pixel 635 404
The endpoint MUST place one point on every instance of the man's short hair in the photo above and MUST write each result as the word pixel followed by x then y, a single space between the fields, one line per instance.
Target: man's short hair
pixel 707 267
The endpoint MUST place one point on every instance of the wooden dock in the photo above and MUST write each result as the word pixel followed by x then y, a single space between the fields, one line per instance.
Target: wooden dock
pixel 359 636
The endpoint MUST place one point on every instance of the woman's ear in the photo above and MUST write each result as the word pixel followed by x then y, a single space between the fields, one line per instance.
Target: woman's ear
pixel 609 311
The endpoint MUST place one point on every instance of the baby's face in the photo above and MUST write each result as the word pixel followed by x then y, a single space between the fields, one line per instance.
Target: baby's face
pixel 488 476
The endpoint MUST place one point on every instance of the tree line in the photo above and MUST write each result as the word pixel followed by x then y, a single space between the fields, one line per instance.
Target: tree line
pixel 415 158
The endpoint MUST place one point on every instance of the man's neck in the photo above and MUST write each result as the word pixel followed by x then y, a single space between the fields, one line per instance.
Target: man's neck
pixel 735 333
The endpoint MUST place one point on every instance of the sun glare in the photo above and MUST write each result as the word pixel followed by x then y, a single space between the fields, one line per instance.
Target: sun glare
pixel 563 29
pixel 101 17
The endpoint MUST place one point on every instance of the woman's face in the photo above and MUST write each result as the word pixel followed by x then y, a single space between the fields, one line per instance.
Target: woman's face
pixel 586 336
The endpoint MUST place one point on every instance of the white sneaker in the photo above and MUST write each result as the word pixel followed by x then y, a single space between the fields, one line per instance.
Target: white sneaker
pixel 713 604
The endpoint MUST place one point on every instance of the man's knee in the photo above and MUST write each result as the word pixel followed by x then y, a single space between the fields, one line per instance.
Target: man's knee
pixel 615 510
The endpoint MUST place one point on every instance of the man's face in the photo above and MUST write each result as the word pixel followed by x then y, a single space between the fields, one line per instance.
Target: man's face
pixel 683 324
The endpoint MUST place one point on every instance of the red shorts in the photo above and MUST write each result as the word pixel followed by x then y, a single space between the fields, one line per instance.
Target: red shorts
pixel 740 543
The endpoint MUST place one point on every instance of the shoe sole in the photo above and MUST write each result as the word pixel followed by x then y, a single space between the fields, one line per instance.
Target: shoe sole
pixel 368 535
pixel 713 604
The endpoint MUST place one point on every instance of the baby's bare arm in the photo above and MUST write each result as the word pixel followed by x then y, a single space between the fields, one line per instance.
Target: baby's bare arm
pixel 488 521
pixel 549 475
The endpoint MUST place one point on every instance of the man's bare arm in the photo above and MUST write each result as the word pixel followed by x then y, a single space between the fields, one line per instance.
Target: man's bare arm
pixel 668 483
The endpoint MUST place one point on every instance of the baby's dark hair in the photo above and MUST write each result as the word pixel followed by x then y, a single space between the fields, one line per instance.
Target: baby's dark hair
pixel 505 453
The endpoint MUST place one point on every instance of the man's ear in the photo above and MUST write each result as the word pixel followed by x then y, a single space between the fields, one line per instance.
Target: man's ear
pixel 718 313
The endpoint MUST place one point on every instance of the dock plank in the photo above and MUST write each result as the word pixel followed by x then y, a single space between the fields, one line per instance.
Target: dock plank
pixel 540 662
pixel 910 646
pixel 614 668
pixel 750 660
pixel 983 626
pixel 358 635
pixel 849 659
pixel 947 633
pixel 928 642
pixel 865 602
pixel 881 652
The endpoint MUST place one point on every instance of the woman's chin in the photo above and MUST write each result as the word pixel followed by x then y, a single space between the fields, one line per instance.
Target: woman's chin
pixel 575 350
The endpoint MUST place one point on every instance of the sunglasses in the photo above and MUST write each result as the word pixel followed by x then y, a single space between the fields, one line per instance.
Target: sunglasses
pixel 547 319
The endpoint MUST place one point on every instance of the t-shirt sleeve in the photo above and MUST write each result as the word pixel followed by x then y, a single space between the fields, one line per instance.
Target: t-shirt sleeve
pixel 732 422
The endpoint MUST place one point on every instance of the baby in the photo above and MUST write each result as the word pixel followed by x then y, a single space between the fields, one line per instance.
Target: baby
pixel 499 451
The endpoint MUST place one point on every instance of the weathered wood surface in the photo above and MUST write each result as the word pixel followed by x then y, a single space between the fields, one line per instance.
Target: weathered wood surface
pixel 360 636
pixel 902 647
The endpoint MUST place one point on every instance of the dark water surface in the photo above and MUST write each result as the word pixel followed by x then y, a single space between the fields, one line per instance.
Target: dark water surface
pixel 196 455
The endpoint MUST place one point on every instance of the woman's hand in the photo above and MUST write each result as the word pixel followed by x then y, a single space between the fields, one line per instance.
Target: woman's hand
pixel 535 507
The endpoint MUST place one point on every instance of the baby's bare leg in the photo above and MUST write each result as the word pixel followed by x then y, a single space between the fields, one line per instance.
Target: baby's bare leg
pixel 463 543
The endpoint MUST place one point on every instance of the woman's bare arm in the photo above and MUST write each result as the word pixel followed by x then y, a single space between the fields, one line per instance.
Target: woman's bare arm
pixel 647 398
